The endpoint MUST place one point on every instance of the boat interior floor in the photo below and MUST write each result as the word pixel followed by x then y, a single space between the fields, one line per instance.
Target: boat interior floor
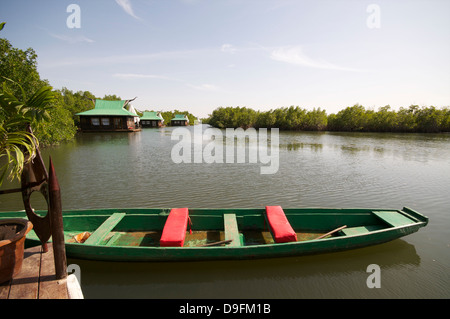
pixel 194 239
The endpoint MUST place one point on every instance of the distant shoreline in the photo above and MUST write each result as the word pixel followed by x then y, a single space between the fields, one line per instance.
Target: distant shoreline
pixel 413 119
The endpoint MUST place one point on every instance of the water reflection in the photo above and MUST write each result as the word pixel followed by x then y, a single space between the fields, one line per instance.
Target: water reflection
pixel 352 148
pixel 303 275
pixel 295 146
pixel 110 138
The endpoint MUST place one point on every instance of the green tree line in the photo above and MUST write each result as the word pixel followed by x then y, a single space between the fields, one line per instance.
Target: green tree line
pixel 354 118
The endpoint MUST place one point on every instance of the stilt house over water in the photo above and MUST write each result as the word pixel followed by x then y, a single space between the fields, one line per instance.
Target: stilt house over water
pixel 180 120
pixel 152 119
pixel 108 116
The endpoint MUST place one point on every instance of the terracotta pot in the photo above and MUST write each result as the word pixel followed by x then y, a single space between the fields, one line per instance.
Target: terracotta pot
pixel 12 240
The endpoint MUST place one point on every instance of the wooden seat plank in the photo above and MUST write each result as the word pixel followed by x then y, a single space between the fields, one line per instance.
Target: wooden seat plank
pixel 394 218
pixel 361 230
pixel 104 229
pixel 231 230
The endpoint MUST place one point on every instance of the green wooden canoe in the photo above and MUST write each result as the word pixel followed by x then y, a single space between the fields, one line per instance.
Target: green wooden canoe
pixel 134 234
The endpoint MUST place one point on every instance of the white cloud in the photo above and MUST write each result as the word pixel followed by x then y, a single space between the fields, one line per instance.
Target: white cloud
pixel 204 87
pixel 76 39
pixel 126 6
pixel 142 76
pixel 125 59
pixel 228 48
pixel 139 76
pixel 295 55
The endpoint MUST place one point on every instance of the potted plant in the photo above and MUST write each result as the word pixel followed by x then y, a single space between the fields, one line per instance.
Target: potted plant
pixel 12 241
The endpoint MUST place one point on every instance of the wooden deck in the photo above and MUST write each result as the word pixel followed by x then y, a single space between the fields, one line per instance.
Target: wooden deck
pixel 37 279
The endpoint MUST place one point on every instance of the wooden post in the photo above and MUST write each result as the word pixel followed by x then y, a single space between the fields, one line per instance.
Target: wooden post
pixel 57 230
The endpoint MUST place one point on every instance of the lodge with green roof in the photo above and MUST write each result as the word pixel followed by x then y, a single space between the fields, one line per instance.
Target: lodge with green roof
pixel 180 120
pixel 109 116
pixel 151 119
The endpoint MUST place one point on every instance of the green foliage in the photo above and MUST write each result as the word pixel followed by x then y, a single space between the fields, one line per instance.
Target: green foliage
pixel 291 118
pixel 59 128
pixel 17 146
pixel 111 97
pixel 14 146
pixel 316 120
pixel 21 67
pixel 408 120
pixel 76 103
pixel 233 117
pixel 429 120
pixel 21 79
pixel 445 124
pixel 17 114
pixel 383 121
pixel 353 118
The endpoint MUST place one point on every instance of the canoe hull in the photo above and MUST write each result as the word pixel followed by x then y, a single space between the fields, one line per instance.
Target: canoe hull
pixel 152 254
pixel 248 219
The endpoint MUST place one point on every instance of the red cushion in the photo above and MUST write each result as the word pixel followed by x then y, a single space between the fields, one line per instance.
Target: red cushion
pixel 281 229
pixel 174 231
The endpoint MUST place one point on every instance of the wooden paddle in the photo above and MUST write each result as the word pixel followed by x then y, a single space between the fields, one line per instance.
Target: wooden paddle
pixel 217 243
pixel 332 232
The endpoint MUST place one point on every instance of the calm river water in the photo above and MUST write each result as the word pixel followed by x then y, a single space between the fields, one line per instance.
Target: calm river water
pixel 316 169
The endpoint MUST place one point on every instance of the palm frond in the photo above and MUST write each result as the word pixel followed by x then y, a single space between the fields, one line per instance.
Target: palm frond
pixel 17 148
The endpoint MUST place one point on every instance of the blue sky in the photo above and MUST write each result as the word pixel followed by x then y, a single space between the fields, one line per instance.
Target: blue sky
pixel 198 55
